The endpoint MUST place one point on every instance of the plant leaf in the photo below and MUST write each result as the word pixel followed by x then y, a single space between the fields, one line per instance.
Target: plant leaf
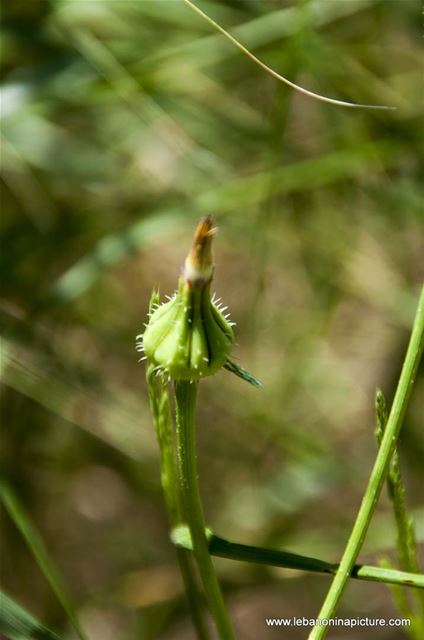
pixel 242 373
pixel 18 515
pixel 18 624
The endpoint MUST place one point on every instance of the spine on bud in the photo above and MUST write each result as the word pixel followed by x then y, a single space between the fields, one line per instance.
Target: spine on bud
pixel 189 337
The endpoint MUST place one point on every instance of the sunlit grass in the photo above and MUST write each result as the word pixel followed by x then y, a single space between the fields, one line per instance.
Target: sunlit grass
pixel 122 123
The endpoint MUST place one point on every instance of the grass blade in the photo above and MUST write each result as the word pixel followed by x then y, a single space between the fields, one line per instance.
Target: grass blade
pixel 378 473
pixel 242 373
pixel 18 624
pixel 32 538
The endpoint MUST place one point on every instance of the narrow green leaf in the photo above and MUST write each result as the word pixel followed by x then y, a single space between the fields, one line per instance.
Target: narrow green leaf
pixel 17 513
pixel 222 548
pixel 18 624
pixel 122 419
pixel 242 373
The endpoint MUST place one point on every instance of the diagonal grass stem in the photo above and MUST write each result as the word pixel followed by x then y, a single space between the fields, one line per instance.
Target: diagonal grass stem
pixel 36 545
pixel 378 473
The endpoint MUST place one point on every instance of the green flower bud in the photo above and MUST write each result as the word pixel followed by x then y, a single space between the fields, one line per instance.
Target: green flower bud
pixel 189 336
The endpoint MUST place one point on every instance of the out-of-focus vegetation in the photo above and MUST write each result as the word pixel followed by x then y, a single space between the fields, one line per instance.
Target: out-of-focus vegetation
pixel 122 123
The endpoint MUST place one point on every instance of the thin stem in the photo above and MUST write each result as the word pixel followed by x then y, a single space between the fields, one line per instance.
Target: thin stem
pixel 185 395
pixel 406 540
pixel 296 87
pixel 195 605
pixel 378 473
pixel 277 558
pixel 161 411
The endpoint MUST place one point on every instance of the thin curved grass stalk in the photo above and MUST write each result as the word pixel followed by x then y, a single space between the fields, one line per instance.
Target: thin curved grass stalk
pixel 278 76
pixel 378 473
pixel 17 513
pixel 223 548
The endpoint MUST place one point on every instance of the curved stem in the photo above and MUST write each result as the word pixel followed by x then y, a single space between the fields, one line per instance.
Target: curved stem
pixel 185 394
pixel 378 473
pixel 296 87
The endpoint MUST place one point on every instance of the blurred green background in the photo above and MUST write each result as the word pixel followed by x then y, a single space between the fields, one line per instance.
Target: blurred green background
pixel 122 123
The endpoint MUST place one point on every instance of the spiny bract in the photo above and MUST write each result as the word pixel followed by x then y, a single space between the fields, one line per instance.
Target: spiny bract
pixel 190 337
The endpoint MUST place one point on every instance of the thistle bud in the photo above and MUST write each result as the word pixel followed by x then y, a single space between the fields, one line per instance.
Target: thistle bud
pixel 189 336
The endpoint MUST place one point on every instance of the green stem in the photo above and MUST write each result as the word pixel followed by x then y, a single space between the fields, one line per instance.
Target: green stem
pixel 185 395
pixel 195 605
pixel 378 473
pixel 159 404
pixel 276 558
pixel 406 540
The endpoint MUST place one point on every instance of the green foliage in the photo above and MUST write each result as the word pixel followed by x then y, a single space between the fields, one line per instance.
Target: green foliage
pixel 223 548
pixel 122 123
pixel 38 549
pixel 389 436
pixel 242 373
pixel 407 547
pixel 18 624
pixel 188 337
pixel 163 422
